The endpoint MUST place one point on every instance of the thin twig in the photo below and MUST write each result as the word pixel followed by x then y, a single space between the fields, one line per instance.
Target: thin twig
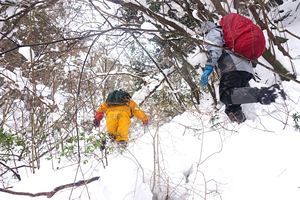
pixel 13 171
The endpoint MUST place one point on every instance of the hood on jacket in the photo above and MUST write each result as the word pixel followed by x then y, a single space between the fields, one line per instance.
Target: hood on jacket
pixel 206 26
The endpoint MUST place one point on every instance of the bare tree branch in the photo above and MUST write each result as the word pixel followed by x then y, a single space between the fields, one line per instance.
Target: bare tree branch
pixel 54 191
pixel 13 171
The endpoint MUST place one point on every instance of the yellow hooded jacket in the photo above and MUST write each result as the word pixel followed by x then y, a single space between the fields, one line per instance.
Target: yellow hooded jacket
pixel 118 118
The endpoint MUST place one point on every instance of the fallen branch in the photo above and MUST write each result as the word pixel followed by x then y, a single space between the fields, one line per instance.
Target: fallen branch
pixel 51 193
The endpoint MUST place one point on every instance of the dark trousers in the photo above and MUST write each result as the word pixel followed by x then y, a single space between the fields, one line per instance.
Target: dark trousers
pixel 229 81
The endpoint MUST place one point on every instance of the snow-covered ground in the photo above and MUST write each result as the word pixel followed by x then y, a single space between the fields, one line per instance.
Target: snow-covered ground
pixel 194 160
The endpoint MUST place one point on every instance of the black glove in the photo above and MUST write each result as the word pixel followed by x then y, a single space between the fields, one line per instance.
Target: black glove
pixel 96 123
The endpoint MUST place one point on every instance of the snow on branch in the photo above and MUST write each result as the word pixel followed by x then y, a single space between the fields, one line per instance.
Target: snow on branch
pixel 52 193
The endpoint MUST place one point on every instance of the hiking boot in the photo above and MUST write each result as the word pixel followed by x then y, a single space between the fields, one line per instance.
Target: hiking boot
pixel 122 144
pixel 268 95
pixel 237 116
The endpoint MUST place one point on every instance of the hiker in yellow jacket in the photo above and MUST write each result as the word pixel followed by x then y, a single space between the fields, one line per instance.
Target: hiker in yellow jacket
pixel 119 108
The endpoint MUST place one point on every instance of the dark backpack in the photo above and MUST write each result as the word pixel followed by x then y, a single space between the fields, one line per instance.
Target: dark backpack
pixel 117 98
pixel 242 36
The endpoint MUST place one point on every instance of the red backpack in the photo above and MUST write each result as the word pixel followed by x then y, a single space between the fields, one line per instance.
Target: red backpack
pixel 242 36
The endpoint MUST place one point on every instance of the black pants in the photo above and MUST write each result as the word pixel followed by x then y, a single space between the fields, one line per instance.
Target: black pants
pixel 229 81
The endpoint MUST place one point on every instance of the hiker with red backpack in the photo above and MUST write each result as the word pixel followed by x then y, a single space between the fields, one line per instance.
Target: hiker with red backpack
pixel 119 108
pixel 237 42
